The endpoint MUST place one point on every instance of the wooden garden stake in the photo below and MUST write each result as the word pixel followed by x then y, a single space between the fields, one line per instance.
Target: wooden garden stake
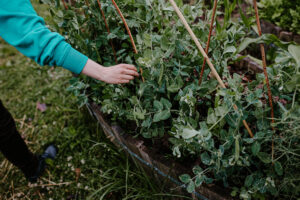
pixel 65 5
pixel 129 33
pixel 107 28
pixel 215 73
pixel 126 26
pixel 263 56
pixel 87 3
pixel 141 70
pixel 208 40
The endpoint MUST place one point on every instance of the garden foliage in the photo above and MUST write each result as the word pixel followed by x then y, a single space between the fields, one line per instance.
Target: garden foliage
pixel 283 13
pixel 199 121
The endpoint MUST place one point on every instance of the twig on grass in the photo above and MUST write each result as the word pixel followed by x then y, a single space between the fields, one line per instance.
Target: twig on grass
pixel 208 40
pixel 215 73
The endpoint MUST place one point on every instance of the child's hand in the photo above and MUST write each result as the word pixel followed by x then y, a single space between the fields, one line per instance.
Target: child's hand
pixel 117 74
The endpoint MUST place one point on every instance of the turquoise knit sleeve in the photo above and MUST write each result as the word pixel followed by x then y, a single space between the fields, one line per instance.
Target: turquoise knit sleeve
pixel 21 27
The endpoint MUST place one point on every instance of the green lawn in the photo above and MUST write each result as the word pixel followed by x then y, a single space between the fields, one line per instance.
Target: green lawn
pixel 105 171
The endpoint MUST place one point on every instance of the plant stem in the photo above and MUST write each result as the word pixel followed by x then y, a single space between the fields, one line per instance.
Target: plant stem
pixel 107 28
pixel 208 40
pixel 263 56
pixel 215 73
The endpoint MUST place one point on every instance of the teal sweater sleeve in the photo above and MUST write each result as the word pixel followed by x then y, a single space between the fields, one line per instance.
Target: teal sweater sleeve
pixel 21 27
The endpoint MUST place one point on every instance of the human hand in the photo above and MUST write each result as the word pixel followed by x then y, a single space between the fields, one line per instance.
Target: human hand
pixel 121 73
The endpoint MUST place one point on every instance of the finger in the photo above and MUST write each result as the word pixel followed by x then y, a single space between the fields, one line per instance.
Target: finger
pixel 127 77
pixel 129 67
pixel 131 72
pixel 124 81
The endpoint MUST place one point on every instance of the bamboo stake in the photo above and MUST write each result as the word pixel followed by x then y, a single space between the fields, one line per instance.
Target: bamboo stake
pixel 107 28
pixel 208 40
pixel 129 33
pixel 215 73
pixel 263 56
pixel 65 5
pixel 126 26
pixel 87 3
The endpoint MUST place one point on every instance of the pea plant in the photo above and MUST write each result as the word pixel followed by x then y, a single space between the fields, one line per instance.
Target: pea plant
pixel 199 122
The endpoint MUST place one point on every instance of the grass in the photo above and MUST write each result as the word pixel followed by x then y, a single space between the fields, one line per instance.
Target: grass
pixel 88 166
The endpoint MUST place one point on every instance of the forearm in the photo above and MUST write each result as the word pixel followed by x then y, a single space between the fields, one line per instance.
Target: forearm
pixel 117 74
pixel 21 27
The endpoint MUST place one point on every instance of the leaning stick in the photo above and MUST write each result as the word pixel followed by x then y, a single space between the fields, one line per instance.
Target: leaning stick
pixel 108 31
pixel 129 33
pixel 65 5
pixel 215 73
pixel 263 56
pixel 126 26
pixel 208 40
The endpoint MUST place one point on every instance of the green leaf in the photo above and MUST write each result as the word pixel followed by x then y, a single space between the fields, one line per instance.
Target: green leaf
pixel 249 180
pixel 161 115
pixel 205 158
pixel 167 104
pixel 211 118
pixel 294 50
pixel 175 85
pixel 244 44
pixel 255 148
pixel 278 168
pixel 111 36
pixel 139 114
pixel 197 170
pixel 199 180
pixel 188 133
pixel 185 178
pixel 229 49
pixel 264 157
pixel 158 105
pixel 191 187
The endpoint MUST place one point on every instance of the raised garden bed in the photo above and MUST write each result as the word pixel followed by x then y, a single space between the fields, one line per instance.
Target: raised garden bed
pixel 268 27
pixel 199 127
pixel 165 171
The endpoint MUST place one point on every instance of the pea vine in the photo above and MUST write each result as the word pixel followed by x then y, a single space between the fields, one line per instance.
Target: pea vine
pixel 198 122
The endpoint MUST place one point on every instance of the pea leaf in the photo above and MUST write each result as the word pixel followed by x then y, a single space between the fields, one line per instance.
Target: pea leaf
pixel 161 115
pixel 199 180
pixel 255 148
pixel 205 158
pixel 278 168
pixel 158 105
pixel 188 133
pixel 139 114
pixel 249 180
pixel 197 170
pixel 264 157
pixel 185 178
pixel 294 50
pixel 191 187
pixel 166 103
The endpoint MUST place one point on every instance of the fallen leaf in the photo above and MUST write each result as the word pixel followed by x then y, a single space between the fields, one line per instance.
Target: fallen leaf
pixel 41 106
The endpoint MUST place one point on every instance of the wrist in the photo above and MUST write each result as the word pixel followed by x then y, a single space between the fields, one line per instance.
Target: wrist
pixel 94 70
